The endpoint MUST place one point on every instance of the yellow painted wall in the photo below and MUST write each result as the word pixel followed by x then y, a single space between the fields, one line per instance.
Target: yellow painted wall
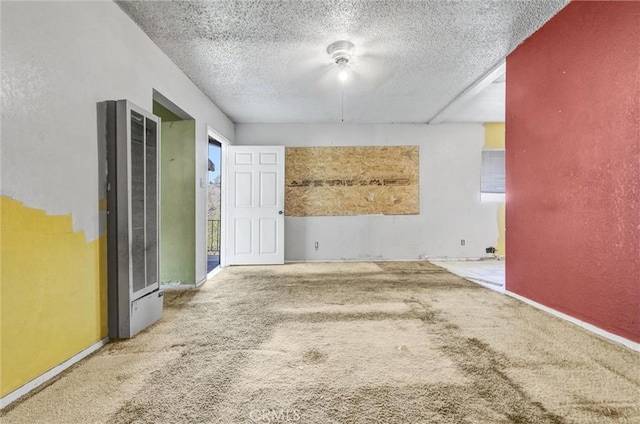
pixel 494 139
pixel 494 135
pixel 53 288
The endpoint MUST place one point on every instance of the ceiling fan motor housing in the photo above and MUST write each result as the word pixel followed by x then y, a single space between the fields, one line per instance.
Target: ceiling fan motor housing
pixel 341 52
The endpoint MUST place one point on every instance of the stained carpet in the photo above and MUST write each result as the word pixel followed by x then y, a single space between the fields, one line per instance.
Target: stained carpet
pixel 394 342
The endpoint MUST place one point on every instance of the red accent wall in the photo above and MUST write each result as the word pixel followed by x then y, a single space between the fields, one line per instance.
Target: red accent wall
pixel 573 165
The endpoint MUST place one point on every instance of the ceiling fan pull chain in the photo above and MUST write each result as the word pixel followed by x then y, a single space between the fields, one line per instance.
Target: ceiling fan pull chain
pixel 342 104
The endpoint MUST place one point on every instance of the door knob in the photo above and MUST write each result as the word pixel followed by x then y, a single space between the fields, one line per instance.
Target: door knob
pixel 280 212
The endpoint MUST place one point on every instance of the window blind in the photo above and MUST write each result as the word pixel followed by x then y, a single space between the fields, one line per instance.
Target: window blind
pixel 493 171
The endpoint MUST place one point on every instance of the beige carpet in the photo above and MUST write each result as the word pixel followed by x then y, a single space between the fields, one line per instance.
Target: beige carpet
pixel 403 342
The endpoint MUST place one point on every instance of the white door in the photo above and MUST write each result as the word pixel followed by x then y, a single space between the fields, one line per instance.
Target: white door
pixel 256 205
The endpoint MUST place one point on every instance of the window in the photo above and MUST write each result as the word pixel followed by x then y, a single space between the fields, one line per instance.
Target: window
pixel 492 182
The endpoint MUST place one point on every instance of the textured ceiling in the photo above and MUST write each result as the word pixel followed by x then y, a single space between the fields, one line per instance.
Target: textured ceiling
pixel 486 106
pixel 265 61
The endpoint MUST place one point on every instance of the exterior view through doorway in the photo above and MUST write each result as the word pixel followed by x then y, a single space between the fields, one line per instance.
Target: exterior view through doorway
pixel 214 204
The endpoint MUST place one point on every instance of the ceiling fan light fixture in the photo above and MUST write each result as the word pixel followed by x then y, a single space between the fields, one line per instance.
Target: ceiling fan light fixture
pixel 343 66
pixel 341 52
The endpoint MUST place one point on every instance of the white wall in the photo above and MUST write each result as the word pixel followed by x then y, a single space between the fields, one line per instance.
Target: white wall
pixel 58 60
pixel 450 209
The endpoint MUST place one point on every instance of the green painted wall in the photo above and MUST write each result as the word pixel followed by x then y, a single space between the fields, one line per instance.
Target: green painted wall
pixel 178 202
pixel 164 113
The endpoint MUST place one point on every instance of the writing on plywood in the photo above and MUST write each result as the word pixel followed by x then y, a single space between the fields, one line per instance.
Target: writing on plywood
pixel 334 181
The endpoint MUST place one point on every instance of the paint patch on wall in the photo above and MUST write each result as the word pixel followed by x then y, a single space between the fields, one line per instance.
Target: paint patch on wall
pixel 54 292
pixel 338 181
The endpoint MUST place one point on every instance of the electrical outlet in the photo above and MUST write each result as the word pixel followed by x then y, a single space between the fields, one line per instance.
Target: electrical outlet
pixel 317 245
pixel 462 242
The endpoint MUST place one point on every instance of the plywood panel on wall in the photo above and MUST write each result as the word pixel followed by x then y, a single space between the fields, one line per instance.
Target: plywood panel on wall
pixel 333 181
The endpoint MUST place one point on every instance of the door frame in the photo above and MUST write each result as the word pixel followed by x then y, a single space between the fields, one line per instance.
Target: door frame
pixel 224 143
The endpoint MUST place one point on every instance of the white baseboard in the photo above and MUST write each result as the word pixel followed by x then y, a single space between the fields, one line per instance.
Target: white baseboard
pixel 461 259
pixel 38 381
pixel 180 286
pixel 590 327
pixel 213 272
pixel 322 261
pixel 191 286
pixel 492 285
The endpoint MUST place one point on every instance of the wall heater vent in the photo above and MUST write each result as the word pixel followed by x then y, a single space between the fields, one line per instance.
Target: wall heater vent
pixel 133 156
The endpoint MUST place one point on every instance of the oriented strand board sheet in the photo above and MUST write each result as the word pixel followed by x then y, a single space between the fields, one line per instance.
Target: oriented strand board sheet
pixel 331 181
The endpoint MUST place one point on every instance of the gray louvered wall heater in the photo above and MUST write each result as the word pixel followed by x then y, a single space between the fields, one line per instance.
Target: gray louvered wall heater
pixel 133 198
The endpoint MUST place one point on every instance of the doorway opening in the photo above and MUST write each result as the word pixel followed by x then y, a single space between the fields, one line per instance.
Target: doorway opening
pixel 214 204
pixel 177 194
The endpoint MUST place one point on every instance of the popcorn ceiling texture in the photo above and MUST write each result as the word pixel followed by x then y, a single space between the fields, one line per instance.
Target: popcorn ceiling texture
pixel 265 61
